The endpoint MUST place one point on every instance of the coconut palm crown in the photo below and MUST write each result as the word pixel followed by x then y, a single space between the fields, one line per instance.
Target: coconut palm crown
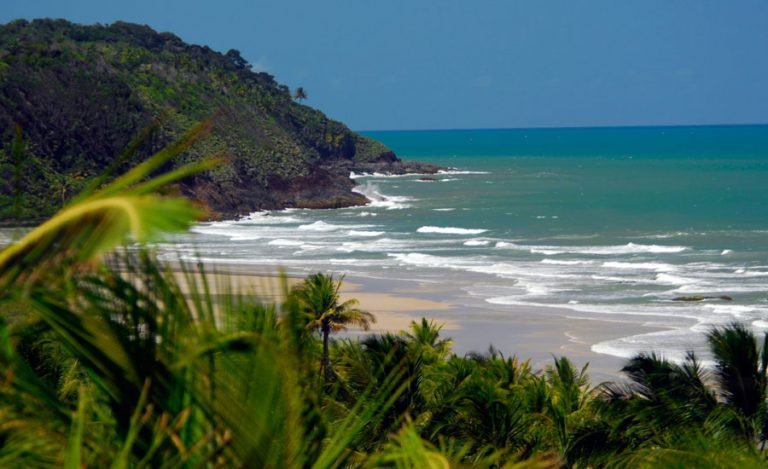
pixel 319 296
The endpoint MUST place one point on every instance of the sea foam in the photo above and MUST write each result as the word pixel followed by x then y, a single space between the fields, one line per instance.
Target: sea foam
pixel 319 226
pixel 285 242
pixel 629 248
pixel 379 200
pixel 477 242
pixel 449 230
pixel 458 172
pixel 656 266
pixel 365 233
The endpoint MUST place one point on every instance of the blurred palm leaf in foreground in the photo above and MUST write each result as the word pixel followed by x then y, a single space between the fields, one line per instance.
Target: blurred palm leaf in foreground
pixel 114 363
pixel 103 217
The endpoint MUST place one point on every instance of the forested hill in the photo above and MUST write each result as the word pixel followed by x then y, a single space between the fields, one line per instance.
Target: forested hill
pixel 80 94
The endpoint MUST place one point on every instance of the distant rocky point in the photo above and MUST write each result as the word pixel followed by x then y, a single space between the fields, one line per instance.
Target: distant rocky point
pixel 81 93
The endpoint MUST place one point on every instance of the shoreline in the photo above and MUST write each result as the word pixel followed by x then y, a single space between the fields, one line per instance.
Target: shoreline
pixel 534 333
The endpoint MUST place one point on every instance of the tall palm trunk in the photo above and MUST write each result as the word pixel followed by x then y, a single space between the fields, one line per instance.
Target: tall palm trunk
pixel 326 360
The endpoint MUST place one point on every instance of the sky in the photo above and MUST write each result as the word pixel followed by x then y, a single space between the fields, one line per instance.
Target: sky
pixel 449 64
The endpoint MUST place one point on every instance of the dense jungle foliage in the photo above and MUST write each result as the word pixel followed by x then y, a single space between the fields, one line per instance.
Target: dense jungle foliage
pixel 81 94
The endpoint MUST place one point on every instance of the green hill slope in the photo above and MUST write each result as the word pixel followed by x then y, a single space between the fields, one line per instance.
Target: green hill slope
pixel 81 93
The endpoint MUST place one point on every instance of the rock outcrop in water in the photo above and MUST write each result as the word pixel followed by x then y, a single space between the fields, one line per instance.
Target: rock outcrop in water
pixel 82 93
pixel 702 298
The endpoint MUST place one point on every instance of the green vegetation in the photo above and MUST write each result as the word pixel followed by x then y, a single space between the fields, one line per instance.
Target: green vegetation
pixel 110 358
pixel 81 94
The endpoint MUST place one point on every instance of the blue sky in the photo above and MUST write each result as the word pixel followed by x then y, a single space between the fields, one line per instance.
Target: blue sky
pixel 417 64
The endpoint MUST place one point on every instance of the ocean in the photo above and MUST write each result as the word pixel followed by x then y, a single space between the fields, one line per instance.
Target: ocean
pixel 611 223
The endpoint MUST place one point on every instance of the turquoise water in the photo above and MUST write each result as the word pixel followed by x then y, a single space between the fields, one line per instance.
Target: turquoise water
pixel 607 180
pixel 612 223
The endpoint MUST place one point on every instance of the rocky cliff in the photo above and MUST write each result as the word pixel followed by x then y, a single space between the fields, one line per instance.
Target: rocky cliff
pixel 81 94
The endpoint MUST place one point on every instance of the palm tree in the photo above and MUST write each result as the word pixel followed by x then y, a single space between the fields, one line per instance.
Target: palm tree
pixel 741 368
pixel 300 94
pixel 674 406
pixel 567 402
pixel 425 336
pixel 319 296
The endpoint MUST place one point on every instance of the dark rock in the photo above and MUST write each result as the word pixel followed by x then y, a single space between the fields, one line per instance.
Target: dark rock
pixel 702 298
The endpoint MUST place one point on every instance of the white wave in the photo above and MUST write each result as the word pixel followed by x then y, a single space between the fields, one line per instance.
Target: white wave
pixel 378 245
pixel 671 344
pixel 726 252
pixel 506 300
pixel 365 233
pixel 353 175
pixel 737 311
pixel 608 348
pixel 504 244
pixel 629 248
pixel 367 214
pixel 267 218
pixel 502 270
pixel 230 232
pixel 709 289
pixel 422 260
pixel 656 266
pixel 285 242
pixel 450 230
pixel 676 280
pixel 458 172
pixel 356 262
pixel 388 202
pixel 443 209
pixel 608 278
pixel 212 230
pixel 477 242
pixel 564 262
pixel 450 179
pixel 536 289
pixel 673 234
pixel 307 247
pixel 319 226
pixel 751 273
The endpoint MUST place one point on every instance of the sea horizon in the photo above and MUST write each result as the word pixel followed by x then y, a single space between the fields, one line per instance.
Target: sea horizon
pixel 565 127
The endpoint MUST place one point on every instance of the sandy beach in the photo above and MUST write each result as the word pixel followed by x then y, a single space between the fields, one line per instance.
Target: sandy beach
pixel 534 333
